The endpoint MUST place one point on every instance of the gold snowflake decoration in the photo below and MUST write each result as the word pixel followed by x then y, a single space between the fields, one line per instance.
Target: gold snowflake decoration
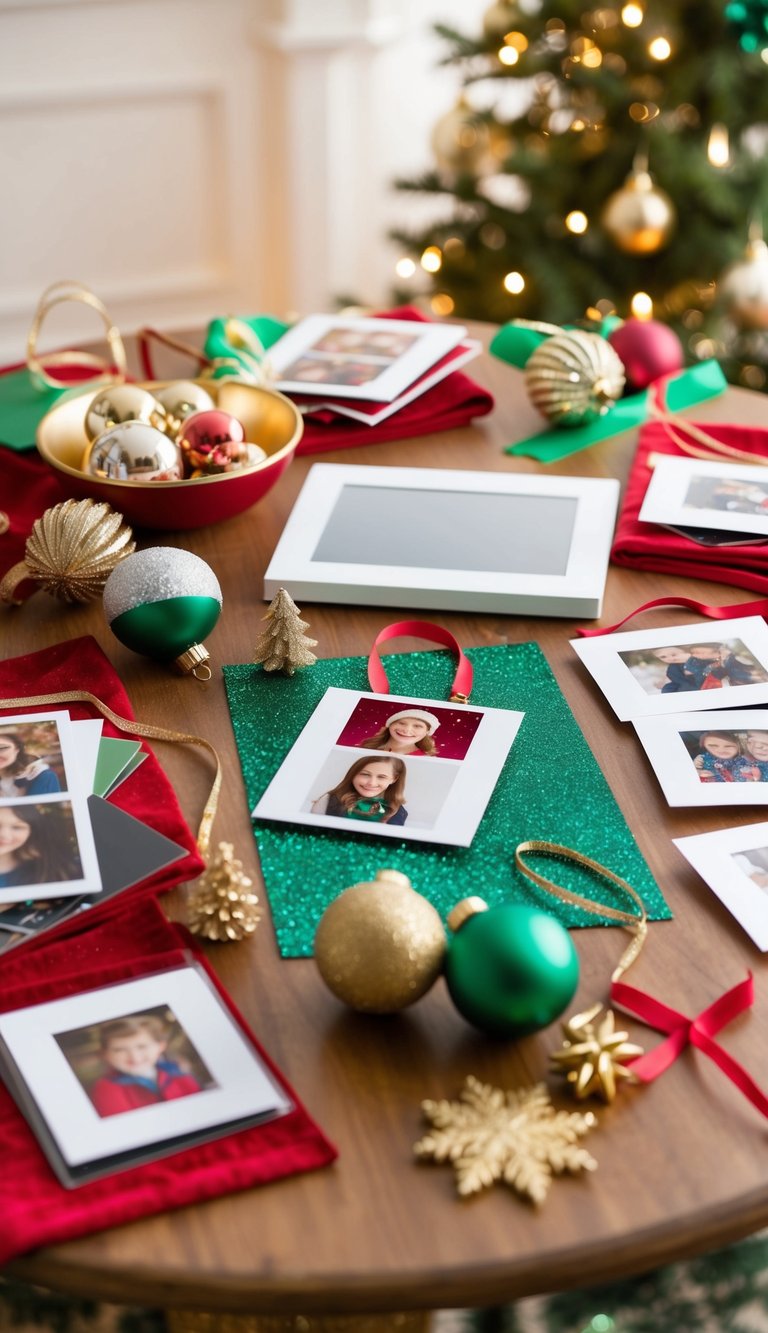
pixel 593 1055
pixel 515 1136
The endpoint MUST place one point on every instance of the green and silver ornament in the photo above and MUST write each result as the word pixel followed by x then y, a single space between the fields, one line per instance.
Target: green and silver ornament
pixel 162 603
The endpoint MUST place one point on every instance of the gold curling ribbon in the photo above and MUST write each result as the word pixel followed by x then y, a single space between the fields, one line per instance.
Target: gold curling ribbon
pixel 138 729
pixel 713 450
pixel 637 922
pixel 43 368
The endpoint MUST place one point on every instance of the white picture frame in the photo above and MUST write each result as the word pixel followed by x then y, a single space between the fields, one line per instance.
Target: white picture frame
pixel 443 799
pixel 635 685
pixel 320 353
pixel 740 881
pixel 435 539
pixel 693 493
pixel 671 743
pixel 82 1143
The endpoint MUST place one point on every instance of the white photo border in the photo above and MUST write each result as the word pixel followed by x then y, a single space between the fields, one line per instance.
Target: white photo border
pixel 628 699
pixel 711 855
pixel 664 500
pixel 662 741
pixel 466 801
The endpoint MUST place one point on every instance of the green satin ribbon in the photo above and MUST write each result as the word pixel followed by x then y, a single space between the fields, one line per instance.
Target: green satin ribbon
pixel 698 383
pixel 239 342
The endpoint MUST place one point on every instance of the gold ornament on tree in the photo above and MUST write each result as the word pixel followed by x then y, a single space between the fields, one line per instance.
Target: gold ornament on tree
pixel 499 19
pixel 516 1137
pixel 380 945
pixel 462 142
pixel 573 377
pixel 593 1054
pixel 71 551
pixel 221 906
pixel 283 645
pixel 640 217
pixel 744 285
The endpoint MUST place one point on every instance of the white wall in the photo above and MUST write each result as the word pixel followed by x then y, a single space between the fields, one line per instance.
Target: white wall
pixel 187 158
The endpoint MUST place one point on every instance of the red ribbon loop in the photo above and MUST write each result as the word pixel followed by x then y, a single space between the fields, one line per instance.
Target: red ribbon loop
pixel 758 608
pixel 421 629
pixel 699 1031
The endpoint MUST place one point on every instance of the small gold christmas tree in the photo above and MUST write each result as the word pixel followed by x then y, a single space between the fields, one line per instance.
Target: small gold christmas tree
pixel 222 906
pixel 283 645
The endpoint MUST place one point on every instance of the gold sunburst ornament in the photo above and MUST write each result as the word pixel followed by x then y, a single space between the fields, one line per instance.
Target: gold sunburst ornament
pixel 593 1054
pixel 515 1137
pixel 71 551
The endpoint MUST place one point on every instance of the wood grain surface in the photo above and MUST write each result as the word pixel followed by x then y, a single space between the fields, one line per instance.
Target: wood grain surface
pixel 683 1165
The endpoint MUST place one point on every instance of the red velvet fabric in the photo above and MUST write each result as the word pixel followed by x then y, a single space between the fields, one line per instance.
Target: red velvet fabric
pixel 80 664
pixel 35 1209
pixel 650 546
pixel 454 402
pixel 27 488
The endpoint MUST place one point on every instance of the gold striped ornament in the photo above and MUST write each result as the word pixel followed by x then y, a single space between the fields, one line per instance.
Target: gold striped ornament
pixel 573 377
pixel 71 551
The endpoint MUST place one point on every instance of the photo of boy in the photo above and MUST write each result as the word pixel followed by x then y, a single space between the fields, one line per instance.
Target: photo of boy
pixel 125 1064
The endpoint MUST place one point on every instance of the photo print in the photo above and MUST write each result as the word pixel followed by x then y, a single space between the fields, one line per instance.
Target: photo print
pixel 734 863
pixel 718 758
pixel 374 359
pixel 32 760
pixel 701 666
pixel 46 848
pixel 688 492
pixel 395 767
pixel 134 1071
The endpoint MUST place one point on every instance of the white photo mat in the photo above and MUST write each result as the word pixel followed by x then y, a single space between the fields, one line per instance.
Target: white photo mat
pixel 448 540
pixel 722 860
pixel 424 344
pixel 445 798
pixel 78 779
pixel 244 1085
pixel 621 682
pixel 662 740
pixel 687 492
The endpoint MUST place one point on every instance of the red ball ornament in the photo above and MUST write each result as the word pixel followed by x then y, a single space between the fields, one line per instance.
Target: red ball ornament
pixel 648 349
pixel 212 441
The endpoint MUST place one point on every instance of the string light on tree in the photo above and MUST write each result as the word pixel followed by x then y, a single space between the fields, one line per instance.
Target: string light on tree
pixel 632 15
pixel 514 283
pixel 432 259
pixel 405 267
pixel 577 222
pixel 641 306
pixel 718 147
pixel 660 48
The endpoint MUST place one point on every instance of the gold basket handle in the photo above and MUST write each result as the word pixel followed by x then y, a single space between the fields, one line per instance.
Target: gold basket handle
pixel 43 368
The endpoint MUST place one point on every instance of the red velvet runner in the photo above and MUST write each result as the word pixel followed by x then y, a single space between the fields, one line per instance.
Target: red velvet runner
pixel 35 1209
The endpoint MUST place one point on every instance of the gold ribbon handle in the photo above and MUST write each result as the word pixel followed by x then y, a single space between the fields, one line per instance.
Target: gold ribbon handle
pixel 43 368
pixel 637 922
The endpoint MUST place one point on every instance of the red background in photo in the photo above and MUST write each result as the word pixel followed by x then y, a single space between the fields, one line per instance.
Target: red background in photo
pixel 452 738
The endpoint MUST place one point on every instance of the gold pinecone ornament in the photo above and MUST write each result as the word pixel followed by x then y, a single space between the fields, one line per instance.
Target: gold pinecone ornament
pixel 221 906
pixel 574 377
pixel 71 551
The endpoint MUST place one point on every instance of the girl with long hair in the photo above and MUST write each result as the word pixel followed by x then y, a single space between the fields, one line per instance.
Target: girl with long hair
pixel 37 845
pixel 372 790
pixel 408 732
pixel 22 773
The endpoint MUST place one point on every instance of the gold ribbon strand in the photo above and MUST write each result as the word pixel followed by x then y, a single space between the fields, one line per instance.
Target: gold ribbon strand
pixel 145 729
pixel 637 922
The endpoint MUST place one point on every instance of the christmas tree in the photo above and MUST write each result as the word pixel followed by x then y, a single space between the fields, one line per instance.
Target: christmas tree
pixel 606 157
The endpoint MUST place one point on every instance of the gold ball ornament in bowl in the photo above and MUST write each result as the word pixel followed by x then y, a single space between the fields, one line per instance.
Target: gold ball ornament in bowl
pixel 574 377
pixel 380 945
pixel 134 451
pixel 182 399
pixel 640 217
pixel 121 403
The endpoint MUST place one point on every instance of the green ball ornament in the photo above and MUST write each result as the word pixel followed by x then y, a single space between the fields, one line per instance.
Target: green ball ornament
pixel 163 604
pixel 511 969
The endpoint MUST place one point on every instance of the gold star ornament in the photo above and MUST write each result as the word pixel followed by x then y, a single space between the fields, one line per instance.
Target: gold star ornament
pixel 516 1137
pixel 593 1054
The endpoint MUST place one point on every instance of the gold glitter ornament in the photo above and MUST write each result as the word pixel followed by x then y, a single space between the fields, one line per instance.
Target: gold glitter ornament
pixel 283 645
pixel 380 945
pixel 515 1137
pixel 592 1055
pixel 221 906
pixel 71 551
pixel 573 377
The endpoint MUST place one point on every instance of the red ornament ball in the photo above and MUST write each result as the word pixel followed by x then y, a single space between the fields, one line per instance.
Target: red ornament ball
pixel 648 349
pixel 212 441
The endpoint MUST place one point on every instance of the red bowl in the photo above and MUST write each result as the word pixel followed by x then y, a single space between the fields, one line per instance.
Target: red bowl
pixel 270 419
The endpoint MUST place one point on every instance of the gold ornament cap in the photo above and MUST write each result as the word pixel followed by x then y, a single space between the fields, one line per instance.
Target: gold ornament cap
pixel 195 661
pixel 388 876
pixel 465 909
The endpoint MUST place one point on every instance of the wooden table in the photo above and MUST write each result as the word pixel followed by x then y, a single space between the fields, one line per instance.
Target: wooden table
pixel 682 1164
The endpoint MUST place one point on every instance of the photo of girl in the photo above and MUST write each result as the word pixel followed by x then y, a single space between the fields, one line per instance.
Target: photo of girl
pixel 408 732
pixel 24 771
pixel 722 758
pixel 693 667
pixel 38 845
pixel 372 790
pixel 126 1064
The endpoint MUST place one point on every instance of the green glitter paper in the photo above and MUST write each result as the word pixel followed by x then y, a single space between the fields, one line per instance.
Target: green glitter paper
pixel 551 788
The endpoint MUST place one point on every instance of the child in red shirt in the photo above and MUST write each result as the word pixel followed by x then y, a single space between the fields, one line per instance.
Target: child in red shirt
pixel 137 1074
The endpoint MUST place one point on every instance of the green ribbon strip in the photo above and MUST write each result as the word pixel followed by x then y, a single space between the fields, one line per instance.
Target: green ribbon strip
pixel 239 341
pixel 698 383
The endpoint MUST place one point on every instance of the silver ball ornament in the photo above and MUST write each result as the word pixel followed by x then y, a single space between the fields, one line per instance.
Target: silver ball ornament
pixel 134 451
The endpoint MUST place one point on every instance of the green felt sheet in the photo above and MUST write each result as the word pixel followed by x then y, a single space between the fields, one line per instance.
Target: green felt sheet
pixel 551 788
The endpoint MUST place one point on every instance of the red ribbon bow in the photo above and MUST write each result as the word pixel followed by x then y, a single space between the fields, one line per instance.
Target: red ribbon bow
pixel 699 1031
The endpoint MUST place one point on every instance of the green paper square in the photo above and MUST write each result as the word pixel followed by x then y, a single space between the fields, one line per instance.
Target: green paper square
pixel 551 788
